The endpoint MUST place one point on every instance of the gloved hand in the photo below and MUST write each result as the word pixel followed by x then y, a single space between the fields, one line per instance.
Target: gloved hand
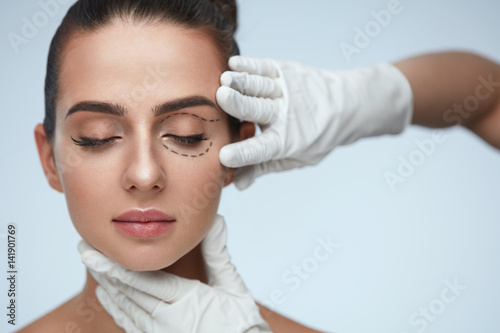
pixel 156 301
pixel 305 112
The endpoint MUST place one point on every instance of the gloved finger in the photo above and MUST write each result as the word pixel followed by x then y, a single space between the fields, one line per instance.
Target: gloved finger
pixel 118 315
pixel 104 282
pixel 143 300
pixel 220 270
pixel 266 67
pixel 127 305
pixel 255 150
pixel 83 246
pixel 94 259
pixel 140 316
pixel 244 177
pixel 251 85
pixel 167 287
pixel 255 109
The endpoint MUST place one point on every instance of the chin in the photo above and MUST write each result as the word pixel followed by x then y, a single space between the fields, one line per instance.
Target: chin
pixel 143 259
pixel 145 264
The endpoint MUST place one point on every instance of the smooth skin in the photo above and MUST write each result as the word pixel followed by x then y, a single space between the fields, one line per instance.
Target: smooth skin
pixel 443 82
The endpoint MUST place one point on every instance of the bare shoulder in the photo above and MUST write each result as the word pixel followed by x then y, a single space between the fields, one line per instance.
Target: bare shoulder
pixel 279 323
pixel 57 320
pixel 62 320
pixel 82 313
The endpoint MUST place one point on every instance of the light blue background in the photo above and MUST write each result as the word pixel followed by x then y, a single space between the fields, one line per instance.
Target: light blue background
pixel 396 249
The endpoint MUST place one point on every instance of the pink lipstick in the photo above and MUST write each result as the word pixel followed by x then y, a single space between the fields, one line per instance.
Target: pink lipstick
pixel 144 223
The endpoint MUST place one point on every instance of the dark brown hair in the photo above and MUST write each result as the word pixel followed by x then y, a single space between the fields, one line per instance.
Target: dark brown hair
pixel 217 18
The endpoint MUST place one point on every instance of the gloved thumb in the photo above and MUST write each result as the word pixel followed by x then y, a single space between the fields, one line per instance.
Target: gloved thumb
pixel 220 271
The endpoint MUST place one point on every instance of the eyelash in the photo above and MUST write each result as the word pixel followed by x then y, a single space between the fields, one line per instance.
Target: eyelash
pixel 95 143
pixel 189 140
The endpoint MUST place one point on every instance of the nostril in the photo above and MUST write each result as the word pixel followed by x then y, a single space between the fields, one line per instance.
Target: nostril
pixel 143 176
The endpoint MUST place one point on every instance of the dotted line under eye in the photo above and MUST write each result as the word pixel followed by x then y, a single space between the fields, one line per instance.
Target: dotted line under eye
pixel 194 115
pixel 185 155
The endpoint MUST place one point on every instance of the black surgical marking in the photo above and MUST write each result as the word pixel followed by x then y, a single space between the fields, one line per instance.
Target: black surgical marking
pixel 191 114
pixel 175 152
pixel 194 115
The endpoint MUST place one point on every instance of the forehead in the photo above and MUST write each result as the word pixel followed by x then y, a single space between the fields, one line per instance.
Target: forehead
pixel 126 62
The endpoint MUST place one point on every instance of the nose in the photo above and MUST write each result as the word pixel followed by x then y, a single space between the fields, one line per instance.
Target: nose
pixel 144 172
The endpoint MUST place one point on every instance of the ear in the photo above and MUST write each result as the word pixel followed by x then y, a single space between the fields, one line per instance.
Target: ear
pixel 46 158
pixel 247 130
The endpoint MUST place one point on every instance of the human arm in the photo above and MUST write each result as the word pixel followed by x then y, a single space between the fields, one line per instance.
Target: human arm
pixel 281 324
pixel 455 88
pixel 305 112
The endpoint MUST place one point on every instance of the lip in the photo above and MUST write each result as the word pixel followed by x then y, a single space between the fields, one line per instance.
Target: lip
pixel 144 223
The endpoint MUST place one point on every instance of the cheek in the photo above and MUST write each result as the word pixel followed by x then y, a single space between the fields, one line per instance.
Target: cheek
pixel 199 182
pixel 197 190
pixel 198 186
pixel 89 186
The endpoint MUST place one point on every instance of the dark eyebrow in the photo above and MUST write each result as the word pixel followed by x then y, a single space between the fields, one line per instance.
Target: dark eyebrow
pixel 118 110
pixel 182 103
pixel 114 109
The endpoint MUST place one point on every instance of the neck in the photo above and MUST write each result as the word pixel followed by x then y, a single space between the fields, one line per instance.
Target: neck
pixel 190 266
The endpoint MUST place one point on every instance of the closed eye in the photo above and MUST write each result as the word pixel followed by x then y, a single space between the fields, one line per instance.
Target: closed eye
pixel 93 143
pixel 190 140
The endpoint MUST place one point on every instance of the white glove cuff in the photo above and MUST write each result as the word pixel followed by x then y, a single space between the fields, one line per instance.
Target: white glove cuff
pixel 391 100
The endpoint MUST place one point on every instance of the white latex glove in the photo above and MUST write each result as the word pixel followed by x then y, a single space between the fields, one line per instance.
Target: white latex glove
pixel 305 112
pixel 156 301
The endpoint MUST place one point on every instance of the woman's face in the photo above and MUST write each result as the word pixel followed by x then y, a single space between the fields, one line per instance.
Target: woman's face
pixel 138 128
